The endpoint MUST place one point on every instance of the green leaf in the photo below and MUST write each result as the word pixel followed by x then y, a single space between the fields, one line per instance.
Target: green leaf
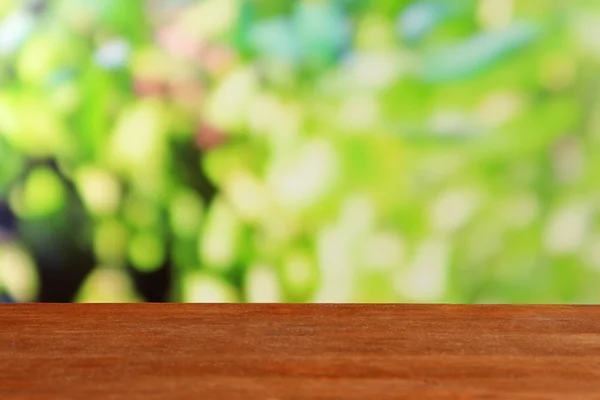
pixel 126 18
pixel 274 38
pixel 146 251
pixel 420 18
pixel 322 31
pixel 43 194
pixel 477 54
pixel 12 164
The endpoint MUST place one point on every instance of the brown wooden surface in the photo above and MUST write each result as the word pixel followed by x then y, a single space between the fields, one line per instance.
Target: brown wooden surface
pixel 273 352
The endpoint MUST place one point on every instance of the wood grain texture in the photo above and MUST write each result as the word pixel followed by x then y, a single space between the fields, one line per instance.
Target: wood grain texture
pixel 169 351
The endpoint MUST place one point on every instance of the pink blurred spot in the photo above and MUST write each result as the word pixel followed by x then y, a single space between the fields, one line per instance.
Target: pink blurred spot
pixel 177 42
pixel 148 88
pixel 208 137
pixel 217 59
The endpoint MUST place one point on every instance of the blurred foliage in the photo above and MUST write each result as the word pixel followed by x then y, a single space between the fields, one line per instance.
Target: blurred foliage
pixel 308 150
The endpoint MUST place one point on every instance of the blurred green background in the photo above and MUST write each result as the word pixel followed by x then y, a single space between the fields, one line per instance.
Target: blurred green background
pixel 300 151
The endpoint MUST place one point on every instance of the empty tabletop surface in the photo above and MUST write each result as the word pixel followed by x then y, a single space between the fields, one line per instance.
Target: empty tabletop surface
pixel 278 351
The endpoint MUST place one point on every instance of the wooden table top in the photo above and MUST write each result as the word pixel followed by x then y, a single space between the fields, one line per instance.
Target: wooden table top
pixel 269 352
